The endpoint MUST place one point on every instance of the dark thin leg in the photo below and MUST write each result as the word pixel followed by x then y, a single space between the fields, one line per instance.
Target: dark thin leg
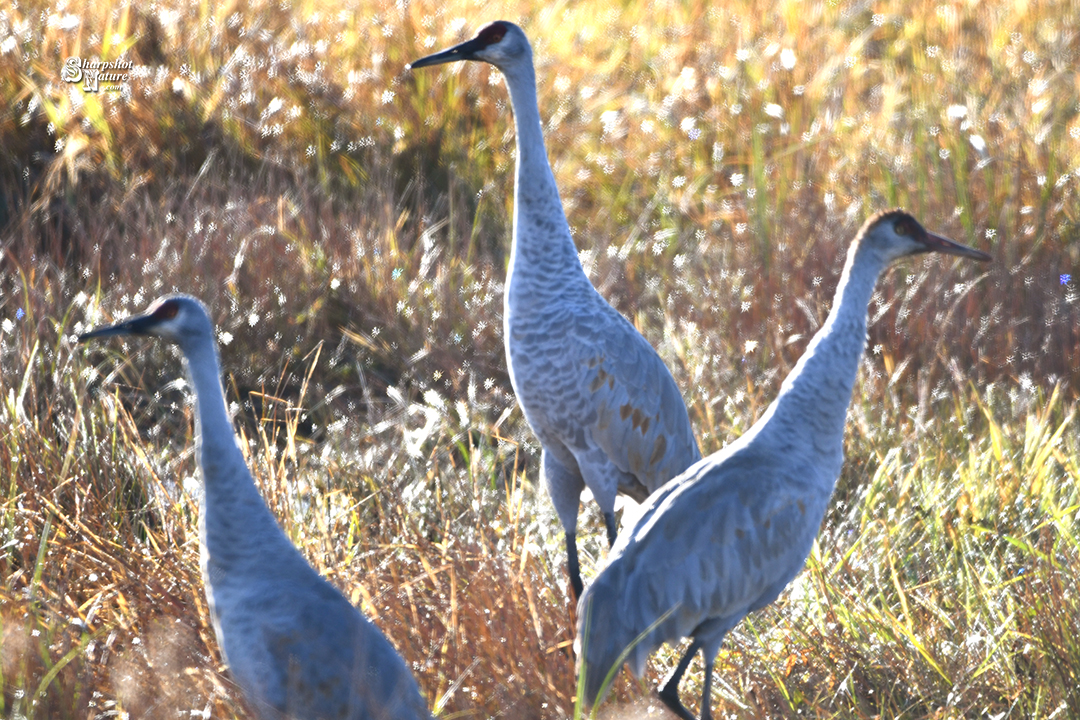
pixel 612 531
pixel 706 708
pixel 669 691
pixel 572 561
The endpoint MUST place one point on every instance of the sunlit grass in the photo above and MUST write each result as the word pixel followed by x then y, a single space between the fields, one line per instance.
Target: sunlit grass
pixel 347 222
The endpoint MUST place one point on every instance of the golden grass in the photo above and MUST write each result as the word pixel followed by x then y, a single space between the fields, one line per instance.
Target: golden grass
pixel 347 222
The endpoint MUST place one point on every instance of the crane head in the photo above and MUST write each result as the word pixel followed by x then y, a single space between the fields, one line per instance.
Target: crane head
pixel 896 234
pixel 497 43
pixel 174 317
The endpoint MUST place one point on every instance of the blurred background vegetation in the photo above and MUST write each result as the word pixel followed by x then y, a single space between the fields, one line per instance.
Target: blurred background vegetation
pixel 348 224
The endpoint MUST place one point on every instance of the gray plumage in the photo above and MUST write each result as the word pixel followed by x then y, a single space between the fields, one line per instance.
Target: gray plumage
pixel 724 538
pixel 296 647
pixel 601 401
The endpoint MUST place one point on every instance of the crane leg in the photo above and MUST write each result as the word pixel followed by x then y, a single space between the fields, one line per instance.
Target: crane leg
pixel 572 563
pixel 669 691
pixel 706 708
pixel 612 530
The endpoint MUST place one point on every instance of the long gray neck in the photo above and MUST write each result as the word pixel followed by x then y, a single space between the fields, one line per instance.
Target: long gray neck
pixel 814 399
pixel 543 253
pixel 234 517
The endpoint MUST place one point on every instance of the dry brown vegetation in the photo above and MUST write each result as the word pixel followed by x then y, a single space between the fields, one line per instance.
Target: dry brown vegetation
pixel 348 224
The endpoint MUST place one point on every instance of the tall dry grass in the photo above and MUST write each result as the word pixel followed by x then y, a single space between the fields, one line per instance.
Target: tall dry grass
pixel 347 222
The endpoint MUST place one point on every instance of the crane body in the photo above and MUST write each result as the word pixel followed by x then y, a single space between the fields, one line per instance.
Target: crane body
pixel 727 536
pixel 295 646
pixel 604 406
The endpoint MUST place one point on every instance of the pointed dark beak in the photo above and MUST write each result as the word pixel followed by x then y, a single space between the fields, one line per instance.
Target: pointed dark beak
pixel 937 243
pixel 137 325
pixel 463 51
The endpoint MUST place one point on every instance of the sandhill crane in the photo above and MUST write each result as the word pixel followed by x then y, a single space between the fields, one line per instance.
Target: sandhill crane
pixel 724 538
pixel 295 645
pixel 601 401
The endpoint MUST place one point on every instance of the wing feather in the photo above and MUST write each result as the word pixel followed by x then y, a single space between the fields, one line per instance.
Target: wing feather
pixel 714 543
pixel 362 680
pixel 641 423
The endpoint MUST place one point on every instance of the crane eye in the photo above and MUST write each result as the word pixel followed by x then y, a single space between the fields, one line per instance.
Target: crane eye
pixel 492 34
pixel 902 228
pixel 167 311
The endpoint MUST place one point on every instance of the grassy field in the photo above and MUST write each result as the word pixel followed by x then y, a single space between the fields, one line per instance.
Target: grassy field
pixel 348 224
